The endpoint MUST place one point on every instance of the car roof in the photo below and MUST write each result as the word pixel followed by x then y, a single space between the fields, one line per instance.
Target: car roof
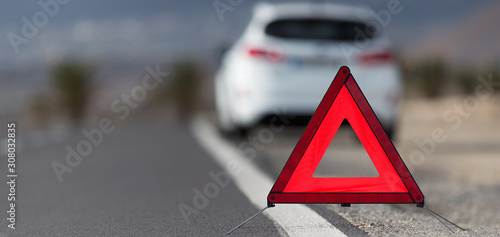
pixel 271 11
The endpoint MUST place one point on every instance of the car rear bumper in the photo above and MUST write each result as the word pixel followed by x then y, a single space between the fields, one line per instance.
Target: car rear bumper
pixel 286 92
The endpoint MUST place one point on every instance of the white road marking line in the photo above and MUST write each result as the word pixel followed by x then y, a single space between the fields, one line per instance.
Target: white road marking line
pixel 294 219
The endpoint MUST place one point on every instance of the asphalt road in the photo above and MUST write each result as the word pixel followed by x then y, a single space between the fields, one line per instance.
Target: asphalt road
pixel 130 185
pixel 169 180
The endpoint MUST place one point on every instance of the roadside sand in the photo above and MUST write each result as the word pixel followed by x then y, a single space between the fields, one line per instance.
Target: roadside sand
pixel 459 176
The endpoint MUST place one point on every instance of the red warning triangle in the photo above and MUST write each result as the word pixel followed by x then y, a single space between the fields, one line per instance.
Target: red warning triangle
pixel 344 100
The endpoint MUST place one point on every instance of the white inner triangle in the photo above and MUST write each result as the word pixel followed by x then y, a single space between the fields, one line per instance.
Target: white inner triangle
pixel 345 157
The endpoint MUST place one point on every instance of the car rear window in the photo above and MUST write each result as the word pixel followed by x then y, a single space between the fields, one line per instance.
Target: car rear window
pixel 319 29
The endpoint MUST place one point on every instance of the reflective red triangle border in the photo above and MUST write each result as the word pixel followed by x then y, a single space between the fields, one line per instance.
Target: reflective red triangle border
pixel 277 194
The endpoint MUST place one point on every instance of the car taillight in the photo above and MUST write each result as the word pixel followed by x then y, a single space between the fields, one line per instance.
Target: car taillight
pixel 269 55
pixel 376 57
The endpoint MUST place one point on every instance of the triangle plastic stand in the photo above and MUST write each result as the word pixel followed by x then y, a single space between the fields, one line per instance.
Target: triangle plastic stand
pixel 344 100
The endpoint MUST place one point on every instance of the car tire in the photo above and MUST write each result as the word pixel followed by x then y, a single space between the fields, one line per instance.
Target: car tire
pixel 228 128
pixel 390 131
pixel 236 132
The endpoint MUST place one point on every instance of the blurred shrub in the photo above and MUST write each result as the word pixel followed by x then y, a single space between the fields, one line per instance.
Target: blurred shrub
pixel 466 80
pixel 494 70
pixel 40 109
pixel 431 76
pixel 182 87
pixel 408 78
pixel 72 83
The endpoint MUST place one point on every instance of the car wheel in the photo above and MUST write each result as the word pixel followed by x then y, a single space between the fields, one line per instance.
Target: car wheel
pixel 242 132
pixel 227 127
pixel 235 132
pixel 390 131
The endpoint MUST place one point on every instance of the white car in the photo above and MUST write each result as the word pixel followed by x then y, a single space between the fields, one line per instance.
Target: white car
pixel 288 55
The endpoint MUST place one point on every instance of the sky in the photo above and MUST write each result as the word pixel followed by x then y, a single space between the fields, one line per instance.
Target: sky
pixel 124 36
pixel 121 30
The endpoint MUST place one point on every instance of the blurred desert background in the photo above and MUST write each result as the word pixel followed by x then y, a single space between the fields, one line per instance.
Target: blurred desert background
pixel 90 53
